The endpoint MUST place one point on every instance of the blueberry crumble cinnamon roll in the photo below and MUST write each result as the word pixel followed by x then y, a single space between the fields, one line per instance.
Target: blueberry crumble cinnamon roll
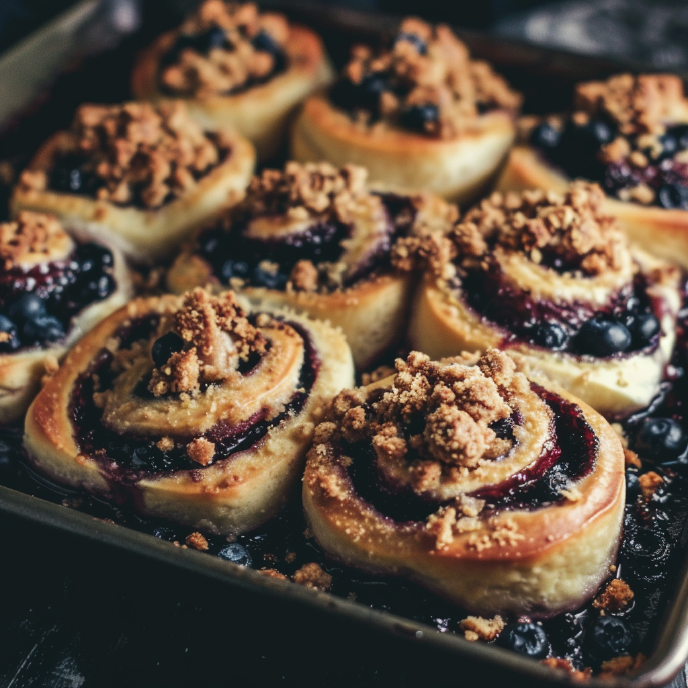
pixel 234 65
pixel 629 134
pixel 503 495
pixel 317 239
pixel 142 177
pixel 419 115
pixel 189 408
pixel 554 280
pixel 53 289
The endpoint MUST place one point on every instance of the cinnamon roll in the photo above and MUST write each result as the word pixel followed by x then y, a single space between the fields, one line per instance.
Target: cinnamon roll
pixel 503 495
pixel 189 408
pixel 142 177
pixel 234 65
pixel 317 239
pixel 53 289
pixel 553 279
pixel 419 115
pixel 629 134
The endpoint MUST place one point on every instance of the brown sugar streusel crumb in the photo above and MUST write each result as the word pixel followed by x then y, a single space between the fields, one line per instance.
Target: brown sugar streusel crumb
pixel 565 665
pixel 649 484
pixel 201 451
pixel 615 597
pixel 197 541
pixel 313 576
pixel 273 573
pixel 216 334
pixel 619 666
pixel 31 238
pixel 573 226
pixel 138 153
pixel 232 64
pixel 429 67
pixel 477 628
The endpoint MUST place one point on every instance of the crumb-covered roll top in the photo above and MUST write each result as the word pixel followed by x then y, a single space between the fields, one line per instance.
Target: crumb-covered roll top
pixel 437 432
pixel 134 154
pixel 224 48
pixel 312 228
pixel 629 133
pixel 47 278
pixel 425 82
pixel 555 270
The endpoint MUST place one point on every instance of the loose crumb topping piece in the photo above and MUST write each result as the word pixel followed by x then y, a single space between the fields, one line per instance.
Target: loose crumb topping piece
pixel 197 541
pixel 619 666
pixel 615 597
pixel 427 81
pixel 571 227
pixel 31 239
pixel 477 628
pixel 313 576
pixel 216 334
pixel 650 483
pixel 137 152
pixel 223 47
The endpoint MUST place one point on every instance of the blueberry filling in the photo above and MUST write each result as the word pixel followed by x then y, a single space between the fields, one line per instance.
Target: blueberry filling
pixel 576 148
pixel 268 263
pixel 165 346
pixel 610 636
pixel 661 439
pixel 37 306
pixel 627 324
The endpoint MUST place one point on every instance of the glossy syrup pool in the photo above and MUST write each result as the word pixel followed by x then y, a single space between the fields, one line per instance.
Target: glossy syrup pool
pixel 651 549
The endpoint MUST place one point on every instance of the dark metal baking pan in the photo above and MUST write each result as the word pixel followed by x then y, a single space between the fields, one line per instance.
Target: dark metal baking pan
pixel 35 102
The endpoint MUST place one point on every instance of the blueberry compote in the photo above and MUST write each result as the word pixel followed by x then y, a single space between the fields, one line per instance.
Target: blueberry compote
pixel 37 305
pixel 652 544
pixel 125 459
pixel 234 255
pixel 627 324
pixel 576 149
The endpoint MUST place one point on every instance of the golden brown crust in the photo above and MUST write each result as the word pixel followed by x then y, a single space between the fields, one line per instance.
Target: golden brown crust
pixel 225 496
pixel 261 112
pixel 456 168
pixel 512 561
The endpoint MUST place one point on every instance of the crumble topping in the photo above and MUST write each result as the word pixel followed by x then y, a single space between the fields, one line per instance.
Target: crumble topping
pixel 197 541
pixel 303 191
pixel 618 666
pixel 273 573
pixel 615 597
pixel 137 152
pixel 636 104
pixel 572 227
pixel 649 484
pixel 478 628
pixel 428 82
pixel 31 239
pixel 313 576
pixel 223 47
pixel 216 333
pixel 201 451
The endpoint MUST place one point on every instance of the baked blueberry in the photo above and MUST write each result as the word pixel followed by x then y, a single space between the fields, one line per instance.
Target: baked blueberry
pixel 93 257
pixel 527 639
pixel 632 484
pixel 369 90
pixel 27 307
pixel 545 136
pixel 661 439
pixel 417 117
pixel 550 335
pixel 417 42
pixel 9 341
pixel 164 533
pixel 234 268
pixel 268 279
pixel 609 636
pixel 264 42
pixel 673 196
pixel 600 337
pixel 165 346
pixel 43 328
pixel 236 553
pixel 643 329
